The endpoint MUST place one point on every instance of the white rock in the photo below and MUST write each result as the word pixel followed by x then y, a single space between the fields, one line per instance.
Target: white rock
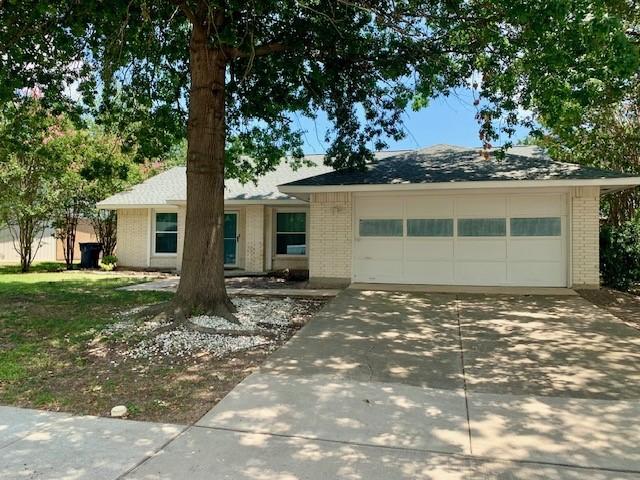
pixel 119 411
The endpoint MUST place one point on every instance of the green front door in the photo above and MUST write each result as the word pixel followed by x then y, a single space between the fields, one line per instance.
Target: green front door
pixel 230 238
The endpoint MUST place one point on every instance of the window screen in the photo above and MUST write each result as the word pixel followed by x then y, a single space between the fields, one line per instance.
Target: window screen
pixel 536 227
pixel 381 228
pixel 166 232
pixel 482 227
pixel 430 227
pixel 291 236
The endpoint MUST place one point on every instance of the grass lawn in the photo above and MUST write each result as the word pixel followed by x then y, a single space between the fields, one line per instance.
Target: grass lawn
pixel 52 358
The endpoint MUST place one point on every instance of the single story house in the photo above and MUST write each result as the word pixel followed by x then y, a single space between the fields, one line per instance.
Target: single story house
pixel 442 215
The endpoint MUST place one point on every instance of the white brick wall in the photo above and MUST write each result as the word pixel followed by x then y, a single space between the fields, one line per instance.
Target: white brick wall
pixel 330 232
pixel 585 214
pixel 254 238
pixel 132 249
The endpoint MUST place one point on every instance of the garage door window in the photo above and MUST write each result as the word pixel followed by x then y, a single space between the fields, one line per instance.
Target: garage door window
pixel 430 227
pixel 381 228
pixel 291 236
pixel 536 227
pixel 482 227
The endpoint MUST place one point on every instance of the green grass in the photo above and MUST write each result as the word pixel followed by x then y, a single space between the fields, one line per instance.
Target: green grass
pixel 39 267
pixel 46 314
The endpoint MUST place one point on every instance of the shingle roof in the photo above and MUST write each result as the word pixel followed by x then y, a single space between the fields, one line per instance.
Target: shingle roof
pixel 449 164
pixel 436 164
pixel 171 186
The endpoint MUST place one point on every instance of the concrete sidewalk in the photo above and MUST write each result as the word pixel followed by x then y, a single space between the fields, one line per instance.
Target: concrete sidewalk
pixel 48 445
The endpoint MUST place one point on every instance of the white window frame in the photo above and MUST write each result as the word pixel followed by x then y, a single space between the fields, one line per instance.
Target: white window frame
pixel 154 253
pixel 237 214
pixel 276 232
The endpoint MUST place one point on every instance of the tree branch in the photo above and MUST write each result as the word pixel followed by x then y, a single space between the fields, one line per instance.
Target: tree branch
pixel 191 16
pixel 260 51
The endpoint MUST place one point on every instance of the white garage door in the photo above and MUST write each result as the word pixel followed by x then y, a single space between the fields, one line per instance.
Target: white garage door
pixel 461 239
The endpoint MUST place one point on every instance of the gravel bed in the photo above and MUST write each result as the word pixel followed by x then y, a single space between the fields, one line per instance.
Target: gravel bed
pixel 181 343
pixel 259 312
pixel 254 314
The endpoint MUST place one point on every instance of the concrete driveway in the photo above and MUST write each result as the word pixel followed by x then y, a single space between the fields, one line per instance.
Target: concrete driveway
pixel 387 385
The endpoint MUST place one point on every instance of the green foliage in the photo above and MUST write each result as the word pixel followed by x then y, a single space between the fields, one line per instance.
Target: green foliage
pixel 53 173
pixel 620 255
pixel 609 138
pixel 361 63
pixel 33 161
pixel 109 263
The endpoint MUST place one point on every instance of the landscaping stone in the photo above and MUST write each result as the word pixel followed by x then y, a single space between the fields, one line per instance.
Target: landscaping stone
pixel 119 411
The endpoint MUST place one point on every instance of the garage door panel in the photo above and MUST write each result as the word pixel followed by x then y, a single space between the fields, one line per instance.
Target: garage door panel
pixel 381 207
pixel 476 248
pixel 435 272
pixel 429 249
pixel 429 207
pixel 537 206
pixel 537 273
pixel 480 273
pixel 479 205
pixel 383 248
pixel 536 249
pixel 379 270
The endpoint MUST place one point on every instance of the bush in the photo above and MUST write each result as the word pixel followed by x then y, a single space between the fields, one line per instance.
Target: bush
pixel 108 263
pixel 620 255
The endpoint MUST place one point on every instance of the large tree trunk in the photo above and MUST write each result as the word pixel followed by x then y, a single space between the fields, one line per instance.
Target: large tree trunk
pixel 202 285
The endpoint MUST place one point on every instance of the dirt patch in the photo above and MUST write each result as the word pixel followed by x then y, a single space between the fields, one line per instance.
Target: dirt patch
pixel 623 305
pixel 164 389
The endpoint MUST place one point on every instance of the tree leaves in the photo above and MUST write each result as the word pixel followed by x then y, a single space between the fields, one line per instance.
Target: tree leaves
pixel 361 62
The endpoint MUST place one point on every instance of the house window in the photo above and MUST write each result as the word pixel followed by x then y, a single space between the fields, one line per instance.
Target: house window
pixel 381 228
pixel 166 234
pixel 430 227
pixel 536 227
pixel 291 233
pixel 482 227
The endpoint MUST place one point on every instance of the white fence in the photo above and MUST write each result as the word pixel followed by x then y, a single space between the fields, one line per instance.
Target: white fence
pixel 46 252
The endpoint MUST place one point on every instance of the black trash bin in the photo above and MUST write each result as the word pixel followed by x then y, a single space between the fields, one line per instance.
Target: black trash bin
pixel 89 254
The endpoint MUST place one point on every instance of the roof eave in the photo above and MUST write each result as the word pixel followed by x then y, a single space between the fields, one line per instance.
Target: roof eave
pixel 180 203
pixel 129 206
pixel 619 183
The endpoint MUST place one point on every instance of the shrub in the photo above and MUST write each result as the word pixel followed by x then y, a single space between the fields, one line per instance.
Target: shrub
pixel 108 263
pixel 620 255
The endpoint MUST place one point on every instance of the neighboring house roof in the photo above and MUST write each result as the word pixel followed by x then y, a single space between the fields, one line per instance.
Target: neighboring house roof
pixel 170 187
pixel 448 164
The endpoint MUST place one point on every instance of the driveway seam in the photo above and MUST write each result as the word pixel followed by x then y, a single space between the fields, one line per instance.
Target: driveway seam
pixel 165 444
pixel 465 456
pixel 464 375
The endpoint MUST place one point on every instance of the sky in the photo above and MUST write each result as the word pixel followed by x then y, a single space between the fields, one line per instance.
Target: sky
pixel 450 120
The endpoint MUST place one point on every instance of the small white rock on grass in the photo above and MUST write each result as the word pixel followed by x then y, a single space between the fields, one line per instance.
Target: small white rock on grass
pixel 119 411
